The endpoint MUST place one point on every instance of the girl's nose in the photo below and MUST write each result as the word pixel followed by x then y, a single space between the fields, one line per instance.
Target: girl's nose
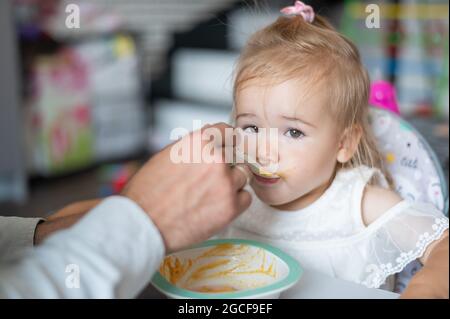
pixel 268 154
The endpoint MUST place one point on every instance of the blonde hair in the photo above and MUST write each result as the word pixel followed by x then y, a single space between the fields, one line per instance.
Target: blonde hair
pixel 289 48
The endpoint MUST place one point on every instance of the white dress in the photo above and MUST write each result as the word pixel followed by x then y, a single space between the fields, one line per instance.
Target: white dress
pixel 329 235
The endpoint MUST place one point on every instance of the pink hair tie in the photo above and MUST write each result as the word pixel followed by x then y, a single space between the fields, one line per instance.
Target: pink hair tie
pixel 299 8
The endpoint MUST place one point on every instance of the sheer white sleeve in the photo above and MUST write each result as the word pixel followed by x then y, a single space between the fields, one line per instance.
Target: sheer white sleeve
pixel 398 237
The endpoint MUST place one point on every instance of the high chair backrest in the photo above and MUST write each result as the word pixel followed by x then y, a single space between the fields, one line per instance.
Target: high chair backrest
pixel 415 169
pixel 414 166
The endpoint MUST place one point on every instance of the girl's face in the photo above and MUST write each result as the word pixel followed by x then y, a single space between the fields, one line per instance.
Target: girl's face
pixel 308 141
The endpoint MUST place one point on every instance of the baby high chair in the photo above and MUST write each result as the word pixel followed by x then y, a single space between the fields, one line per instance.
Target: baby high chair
pixel 415 169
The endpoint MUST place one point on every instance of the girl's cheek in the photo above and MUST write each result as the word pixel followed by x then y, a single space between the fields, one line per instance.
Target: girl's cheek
pixel 291 164
pixel 293 151
pixel 294 161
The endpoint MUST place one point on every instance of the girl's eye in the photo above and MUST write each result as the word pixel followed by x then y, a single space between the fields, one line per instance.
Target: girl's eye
pixel 251 129
pixel 294 133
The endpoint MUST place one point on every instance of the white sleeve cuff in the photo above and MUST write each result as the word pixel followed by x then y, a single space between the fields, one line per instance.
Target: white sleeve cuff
pixel 112 252
pixel 124 220
pixel 120 239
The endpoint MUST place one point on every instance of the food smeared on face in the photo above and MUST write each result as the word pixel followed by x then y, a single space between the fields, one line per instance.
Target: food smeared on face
pixel 265 173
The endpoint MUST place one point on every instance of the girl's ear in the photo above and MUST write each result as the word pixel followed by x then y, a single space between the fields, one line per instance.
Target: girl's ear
pixel 349 143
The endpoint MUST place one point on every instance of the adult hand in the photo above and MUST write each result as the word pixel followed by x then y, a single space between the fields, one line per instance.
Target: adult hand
pixel 189 202
pixel 431 281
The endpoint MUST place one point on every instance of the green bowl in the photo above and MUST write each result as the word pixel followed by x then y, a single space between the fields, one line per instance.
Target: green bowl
pixel 240 268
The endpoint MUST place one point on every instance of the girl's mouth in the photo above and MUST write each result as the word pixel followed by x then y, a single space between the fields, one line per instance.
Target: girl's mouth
pixel 266 180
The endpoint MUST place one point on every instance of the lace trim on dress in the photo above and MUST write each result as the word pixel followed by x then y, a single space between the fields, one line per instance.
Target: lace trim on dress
pixel 379 273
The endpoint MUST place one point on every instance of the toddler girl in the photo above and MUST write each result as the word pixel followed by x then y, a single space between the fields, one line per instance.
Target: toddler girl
pixel 330 203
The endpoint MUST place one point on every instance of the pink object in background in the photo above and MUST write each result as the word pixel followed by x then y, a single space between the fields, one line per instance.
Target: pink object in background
pixel 382 95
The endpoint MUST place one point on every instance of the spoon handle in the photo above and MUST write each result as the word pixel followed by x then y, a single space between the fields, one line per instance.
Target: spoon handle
pixel 245 158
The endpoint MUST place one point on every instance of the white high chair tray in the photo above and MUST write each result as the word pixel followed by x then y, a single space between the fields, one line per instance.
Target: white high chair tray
pixel 315 285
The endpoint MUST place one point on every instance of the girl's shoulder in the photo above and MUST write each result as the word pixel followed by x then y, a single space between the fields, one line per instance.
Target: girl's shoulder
pixel 376 201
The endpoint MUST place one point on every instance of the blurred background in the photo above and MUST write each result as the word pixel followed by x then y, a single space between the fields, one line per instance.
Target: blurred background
pixel 82 108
